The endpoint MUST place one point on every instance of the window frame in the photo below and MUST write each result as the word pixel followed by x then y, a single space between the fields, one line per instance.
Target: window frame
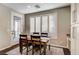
pixel 55 14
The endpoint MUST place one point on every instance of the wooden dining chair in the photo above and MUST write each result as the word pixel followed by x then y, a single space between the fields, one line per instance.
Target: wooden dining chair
pixel 37 44
pixel 35 33
pixel 44 34
pixel 23 42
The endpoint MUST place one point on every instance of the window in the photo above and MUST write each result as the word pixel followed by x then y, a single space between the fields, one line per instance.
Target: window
pixel 44 24
pixel 38 24
pixel 32 25
pixel 53 25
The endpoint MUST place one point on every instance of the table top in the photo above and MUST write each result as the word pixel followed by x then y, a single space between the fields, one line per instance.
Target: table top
pixel 43 39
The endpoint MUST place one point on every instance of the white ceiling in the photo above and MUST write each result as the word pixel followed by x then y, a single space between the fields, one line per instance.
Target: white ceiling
pixel 26 8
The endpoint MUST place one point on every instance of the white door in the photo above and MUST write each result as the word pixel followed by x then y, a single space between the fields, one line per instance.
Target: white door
pixel 75 29
pixel 73 39
pixel 77 40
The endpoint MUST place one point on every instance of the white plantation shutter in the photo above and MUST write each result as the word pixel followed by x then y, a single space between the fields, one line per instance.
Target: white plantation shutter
pixel 38 21
pixel 44 24
pixel 53 25
pixel 32 25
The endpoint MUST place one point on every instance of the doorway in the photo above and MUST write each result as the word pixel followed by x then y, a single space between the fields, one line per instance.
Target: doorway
pixel 16 28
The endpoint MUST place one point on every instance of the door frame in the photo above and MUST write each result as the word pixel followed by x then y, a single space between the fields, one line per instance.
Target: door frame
pixel 12 24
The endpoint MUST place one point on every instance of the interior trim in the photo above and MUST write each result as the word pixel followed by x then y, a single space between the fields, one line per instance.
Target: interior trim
pixel 8 49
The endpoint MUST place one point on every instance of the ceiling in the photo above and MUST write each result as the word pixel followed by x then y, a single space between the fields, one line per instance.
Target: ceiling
pixel 26 8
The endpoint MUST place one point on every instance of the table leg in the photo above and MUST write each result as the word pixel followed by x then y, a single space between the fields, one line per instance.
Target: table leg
pixel 21 48
pixel 27 50
pixel 49 47
pixel 32 50
pixel 40 49
pixel 45 49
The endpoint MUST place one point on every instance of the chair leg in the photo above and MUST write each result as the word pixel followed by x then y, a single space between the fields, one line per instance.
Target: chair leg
pixel 49 47
pixel 27 50
pixel 21 49
pixel 45 49
pixel 32 50
pixel 40 49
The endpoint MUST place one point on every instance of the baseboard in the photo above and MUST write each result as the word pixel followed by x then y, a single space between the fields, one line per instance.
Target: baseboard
pixel 57 46
pixel 9 48
pixel 65 50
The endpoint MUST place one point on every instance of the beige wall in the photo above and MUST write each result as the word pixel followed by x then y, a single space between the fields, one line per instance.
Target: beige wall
pixel 5 26
pixel 64 15
pixel 63 24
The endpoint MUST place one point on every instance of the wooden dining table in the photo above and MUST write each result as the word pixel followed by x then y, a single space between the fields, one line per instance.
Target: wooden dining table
pixel 44 41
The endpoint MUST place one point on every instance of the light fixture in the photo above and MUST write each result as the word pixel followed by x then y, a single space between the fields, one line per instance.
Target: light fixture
pixel 28 6
pixel 37 6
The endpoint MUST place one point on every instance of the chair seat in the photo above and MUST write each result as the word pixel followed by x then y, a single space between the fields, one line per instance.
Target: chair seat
pixel 24 44
pixel 38 43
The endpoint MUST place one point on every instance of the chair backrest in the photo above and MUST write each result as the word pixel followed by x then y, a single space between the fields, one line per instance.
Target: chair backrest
pixel 44 34
pixel 36 40
pixel 35 33
pixel 23 38
pixel 33 37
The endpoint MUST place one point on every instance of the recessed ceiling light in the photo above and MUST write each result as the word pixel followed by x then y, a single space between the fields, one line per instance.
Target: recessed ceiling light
pixel 28 6
pixel 37 6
